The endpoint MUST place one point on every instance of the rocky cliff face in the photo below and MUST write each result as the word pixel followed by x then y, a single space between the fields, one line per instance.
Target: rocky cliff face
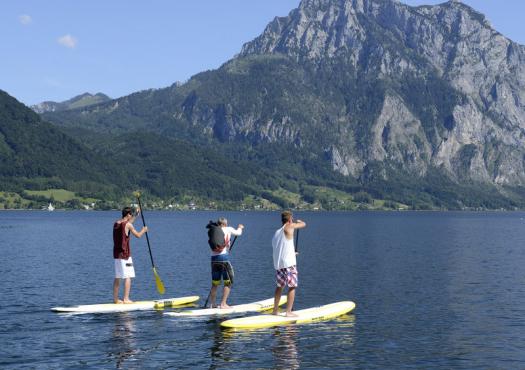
pixel 373 86
pixel 386 40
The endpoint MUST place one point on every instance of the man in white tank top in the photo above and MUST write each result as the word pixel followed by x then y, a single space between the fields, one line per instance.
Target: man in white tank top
pixel 284 261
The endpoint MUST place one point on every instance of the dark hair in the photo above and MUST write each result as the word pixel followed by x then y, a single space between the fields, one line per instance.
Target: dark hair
pixel 127 211
pixel 286 216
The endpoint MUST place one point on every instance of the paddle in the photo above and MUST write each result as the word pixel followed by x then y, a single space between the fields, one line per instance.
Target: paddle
pixel 297 242
pixel 158 281
pixel 208 297
pixel 233 242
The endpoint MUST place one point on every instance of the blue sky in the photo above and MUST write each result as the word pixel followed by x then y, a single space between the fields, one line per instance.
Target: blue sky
pixel 54 50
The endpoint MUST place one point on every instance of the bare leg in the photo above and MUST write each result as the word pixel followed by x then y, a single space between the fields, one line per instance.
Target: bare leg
pixel 116 285
pixel 213 295
pixel 289 305
pixel 277 299
pixel 225 293
pixel 127 288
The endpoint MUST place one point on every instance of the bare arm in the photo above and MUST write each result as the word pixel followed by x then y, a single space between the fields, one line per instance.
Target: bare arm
pixel 138 234
pixel 290 228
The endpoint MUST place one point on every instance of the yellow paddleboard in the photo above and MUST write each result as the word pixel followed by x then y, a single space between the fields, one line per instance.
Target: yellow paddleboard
pixel 120 307
pixel 308 315
pixel 258 306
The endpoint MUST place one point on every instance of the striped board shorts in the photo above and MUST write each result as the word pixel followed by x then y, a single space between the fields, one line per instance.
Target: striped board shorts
pixel 287 277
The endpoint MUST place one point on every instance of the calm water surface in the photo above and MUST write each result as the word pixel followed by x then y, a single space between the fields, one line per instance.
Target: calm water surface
pixel 433 290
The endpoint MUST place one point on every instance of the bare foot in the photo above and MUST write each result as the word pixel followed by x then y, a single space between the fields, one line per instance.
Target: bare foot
pixel 224 306
pixel 117 301
pixel 275 312
pixel 291 314
pixel 127 301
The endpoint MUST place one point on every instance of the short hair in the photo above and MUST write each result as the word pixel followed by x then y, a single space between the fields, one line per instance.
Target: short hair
pixel 127 211
pixel 222 221
pixel 286 216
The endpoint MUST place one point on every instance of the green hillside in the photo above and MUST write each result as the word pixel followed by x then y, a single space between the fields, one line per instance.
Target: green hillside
pixel 36 155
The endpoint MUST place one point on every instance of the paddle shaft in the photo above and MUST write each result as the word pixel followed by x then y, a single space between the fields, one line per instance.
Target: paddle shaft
pixel 233 242
pixel 147 238
pixel 297 242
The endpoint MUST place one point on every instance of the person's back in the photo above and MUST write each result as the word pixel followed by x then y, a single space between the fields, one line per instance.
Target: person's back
pixel 284 261
pixel 121 249
pixel 124 270
pixel 283 250
pixel 221 268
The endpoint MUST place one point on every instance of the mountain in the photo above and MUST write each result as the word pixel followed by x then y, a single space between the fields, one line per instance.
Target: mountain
pixel 452 88
pixel 420 105
pixel 79 101
pixel 37 155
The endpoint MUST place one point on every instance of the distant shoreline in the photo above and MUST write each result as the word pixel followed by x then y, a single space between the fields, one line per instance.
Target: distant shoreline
pixel 275 210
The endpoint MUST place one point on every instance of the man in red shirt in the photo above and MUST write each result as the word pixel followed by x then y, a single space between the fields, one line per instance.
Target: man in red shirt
pixel 122 253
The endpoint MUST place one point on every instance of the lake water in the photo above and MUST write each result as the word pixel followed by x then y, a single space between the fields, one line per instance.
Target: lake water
pixel 433 290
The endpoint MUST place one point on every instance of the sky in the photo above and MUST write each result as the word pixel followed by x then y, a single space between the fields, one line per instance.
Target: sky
pixel 54 50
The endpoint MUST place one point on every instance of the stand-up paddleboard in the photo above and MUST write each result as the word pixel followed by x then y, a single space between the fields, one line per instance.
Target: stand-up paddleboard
pixel 314 314
pixel 258 306
pixel 135 306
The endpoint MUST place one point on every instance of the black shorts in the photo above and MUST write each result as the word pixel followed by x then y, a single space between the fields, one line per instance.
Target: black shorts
pixel 221 270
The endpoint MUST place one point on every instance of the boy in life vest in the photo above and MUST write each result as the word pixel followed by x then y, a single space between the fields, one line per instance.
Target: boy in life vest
pixel 284 261
pixel 221 267
pixel 122 253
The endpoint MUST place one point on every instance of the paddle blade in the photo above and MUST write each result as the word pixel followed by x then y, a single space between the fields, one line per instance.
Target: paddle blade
pixel 160 285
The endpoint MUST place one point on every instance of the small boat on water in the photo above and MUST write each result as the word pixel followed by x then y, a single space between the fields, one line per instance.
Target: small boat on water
pixel 50 208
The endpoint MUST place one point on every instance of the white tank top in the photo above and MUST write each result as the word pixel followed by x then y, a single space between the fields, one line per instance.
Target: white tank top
pixel 283 250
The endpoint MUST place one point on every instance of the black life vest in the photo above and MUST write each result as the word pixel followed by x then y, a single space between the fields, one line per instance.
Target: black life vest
pixel 216 237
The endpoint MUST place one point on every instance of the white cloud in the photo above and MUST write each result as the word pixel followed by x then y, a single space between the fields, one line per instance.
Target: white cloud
pixel 68 41
pixel 25 19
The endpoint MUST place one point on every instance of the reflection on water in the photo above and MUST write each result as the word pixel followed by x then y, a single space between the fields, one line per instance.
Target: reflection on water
pixel 220 349
pixel 122 344
pixel 284 348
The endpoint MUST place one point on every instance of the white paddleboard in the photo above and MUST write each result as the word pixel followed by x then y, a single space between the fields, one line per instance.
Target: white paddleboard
pixel 258 306
pixel 308 315
pixel 120 307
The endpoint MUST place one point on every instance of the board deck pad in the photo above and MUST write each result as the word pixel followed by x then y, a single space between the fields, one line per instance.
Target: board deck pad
pixel 314 314
pixel 121 307
pixel 258 306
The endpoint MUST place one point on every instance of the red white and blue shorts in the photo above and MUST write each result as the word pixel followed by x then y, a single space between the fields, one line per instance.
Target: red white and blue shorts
pixel 287 277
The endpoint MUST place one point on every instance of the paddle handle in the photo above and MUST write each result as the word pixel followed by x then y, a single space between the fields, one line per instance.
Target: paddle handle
pixel 296 244
pixel 147 237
